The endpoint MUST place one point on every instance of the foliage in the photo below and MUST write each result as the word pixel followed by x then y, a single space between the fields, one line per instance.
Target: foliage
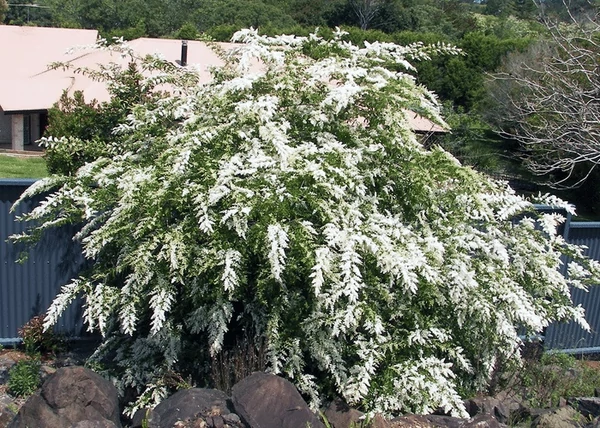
pixel 37 340
pixel 160 18
pixel 73 116
pixel 188 31
pixel 293 205
pixel 510 27
pixel 24 378
pixel 462 79
pixel 542 382
pixel 474 143
pixel 3 9
pixel 89 125
pixel 22 167
pixel 129 33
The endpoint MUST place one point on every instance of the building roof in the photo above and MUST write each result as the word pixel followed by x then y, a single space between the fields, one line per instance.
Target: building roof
pixel 25 53
pixel 26 83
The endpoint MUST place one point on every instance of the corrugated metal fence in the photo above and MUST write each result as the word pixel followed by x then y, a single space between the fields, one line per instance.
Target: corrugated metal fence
pixel 570 337
pixel 27 289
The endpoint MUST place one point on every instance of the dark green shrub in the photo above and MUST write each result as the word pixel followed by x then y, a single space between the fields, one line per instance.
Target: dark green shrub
pixel 24 378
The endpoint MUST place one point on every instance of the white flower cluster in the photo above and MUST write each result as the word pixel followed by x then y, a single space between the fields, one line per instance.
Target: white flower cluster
pixel 296 205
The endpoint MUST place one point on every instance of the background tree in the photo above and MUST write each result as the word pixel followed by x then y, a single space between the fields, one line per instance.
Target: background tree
pixel 27 12
pixel 3 9
pixel 89 125
pixel 366 11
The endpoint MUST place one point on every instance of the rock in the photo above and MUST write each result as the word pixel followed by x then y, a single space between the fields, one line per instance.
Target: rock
pixel 190 405
pixel 489 406
pixel 412 421
pixel 46 371
pixel 441 421
pixel 587 406
pixel 8 410
pixel 95 424
pixel 339 415
pixel 426 421
pixel 378 421
pixel 36 413
pixel 189 408
pixel 144 418
pixel 267 401
pixel 232 419
pixel 563 417
pixel 70 396
pixel 594 424
pixel 483 420
pixel 444 421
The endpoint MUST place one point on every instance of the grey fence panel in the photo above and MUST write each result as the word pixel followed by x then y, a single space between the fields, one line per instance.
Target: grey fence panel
pixel 570 337
pixel 27 289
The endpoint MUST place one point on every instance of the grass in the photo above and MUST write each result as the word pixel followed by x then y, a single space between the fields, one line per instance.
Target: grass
pixel 22 167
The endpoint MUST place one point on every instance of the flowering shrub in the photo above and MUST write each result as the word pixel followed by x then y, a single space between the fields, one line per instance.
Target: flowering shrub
pixel 294 205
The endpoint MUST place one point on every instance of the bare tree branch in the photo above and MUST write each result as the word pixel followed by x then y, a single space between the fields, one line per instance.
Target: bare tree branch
pixel 366 11
pixel 548 99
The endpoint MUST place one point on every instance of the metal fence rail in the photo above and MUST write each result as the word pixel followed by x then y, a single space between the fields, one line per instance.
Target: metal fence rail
pixel 27 289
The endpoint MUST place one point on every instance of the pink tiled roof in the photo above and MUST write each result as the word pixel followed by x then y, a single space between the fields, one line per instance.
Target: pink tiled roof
pixel 26 53
pixel 419 123
pixel 26 84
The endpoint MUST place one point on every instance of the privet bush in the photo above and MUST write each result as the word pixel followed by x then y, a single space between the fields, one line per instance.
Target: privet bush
pixel 294 206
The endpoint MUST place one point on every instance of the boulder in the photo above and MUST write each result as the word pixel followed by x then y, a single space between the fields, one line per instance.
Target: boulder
pixel 563 417
pixel 189 407
pixel 7 410
pixel 378 421
pixel 411 421
pixel 587 406
pixel 445 421
pixel 95 424
pixel 441 421
pixel 71 396
pixel 489 406
pixel 594 424
pixel 267 401
pixel 339 415
pixel 483 420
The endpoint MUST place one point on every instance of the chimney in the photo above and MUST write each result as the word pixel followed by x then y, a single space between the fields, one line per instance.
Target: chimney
pixel 184 53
